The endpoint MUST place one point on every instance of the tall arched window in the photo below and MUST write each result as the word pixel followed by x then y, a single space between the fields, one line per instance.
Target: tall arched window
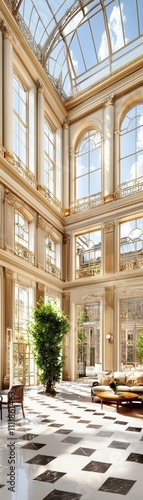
pixel 88 165
pixel 131 149
pixel 24 238
pixel 20 122
pixel 49 158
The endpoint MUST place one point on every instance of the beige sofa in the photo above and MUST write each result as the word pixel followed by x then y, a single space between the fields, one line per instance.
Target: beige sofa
pixel 129 381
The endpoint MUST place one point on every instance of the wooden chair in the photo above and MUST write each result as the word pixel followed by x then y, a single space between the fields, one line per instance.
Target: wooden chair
pixel 13 398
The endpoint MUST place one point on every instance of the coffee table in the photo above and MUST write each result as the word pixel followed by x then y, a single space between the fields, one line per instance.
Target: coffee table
pixel 111 397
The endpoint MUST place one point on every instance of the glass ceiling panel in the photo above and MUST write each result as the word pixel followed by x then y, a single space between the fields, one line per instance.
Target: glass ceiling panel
pixel 75 36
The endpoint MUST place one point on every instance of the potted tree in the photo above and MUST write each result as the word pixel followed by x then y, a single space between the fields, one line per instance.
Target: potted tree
pixel 46 330
pixel 139 346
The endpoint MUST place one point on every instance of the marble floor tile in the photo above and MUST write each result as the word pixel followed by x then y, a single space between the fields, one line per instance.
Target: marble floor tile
pixel 62 495
pixel 104 434
pixel 49 476
pixel 135 457
pixel 117 485
pixel 83 451
pixel 40 460
pixel 119 444
pixel 28 437
pixel 134 429
pixel 64 431
pixel 72 439
pixel 93 426
pixel 33 446
pixel 95 466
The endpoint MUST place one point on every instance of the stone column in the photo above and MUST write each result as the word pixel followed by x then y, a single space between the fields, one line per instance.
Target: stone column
pixel 41 247
pixel 109 247
pixel 72 166
pixel 9 317
pixel 40 121
pixel 66 257
pixel 8 95
pixel 66 180
pixel 109 322
pixel 9 202
pixel 40 291
pixel 1 85
pixel 73 344
pixel 66 343
pixel 108 149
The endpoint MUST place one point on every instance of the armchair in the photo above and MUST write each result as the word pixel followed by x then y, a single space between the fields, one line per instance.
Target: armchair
pixel 13 398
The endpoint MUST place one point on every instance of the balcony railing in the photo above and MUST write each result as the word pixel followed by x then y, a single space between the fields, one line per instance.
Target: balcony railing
pixel 127 264
pixel 51 198
pixel 86 203
pixel 129 187
pixel 85 272
pixel 52 269
pixel 24 253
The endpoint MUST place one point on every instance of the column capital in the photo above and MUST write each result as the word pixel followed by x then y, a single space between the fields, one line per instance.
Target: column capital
pixel 66 123
pixel 109 101
pixel 40 222
pixel 9 197
pixel 66 238
pixel 40 287
pixel 7 33
pixel 109 226
pixel 8 273
pixel 40 87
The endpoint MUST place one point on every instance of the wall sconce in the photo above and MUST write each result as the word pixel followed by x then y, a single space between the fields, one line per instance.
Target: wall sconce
pixel 109 337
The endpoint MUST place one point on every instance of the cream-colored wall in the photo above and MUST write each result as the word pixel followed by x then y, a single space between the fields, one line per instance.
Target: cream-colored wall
pixel 70 120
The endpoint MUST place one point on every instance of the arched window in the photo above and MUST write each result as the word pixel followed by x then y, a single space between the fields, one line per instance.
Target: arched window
pixel 24 238
pixel 131 149
pixel 88 165
pixel 53 256
pixel 20 122
pixel 131 244
pixel 49 158
pixel 21 230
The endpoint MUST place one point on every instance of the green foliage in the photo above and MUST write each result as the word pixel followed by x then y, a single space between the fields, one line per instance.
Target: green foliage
pixel 139 346
pixel 46 331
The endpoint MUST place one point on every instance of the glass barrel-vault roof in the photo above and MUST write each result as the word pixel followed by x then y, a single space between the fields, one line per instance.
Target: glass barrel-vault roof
pixel 80 42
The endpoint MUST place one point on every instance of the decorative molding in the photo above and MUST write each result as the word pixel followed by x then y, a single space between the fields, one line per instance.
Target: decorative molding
pixel 40 287
pixel 41 222
pixel 92 296
pixel 129 292
pixel 9 197
pixel 8 33
pixel 66 123
pixel 40 87
pixel 109 227
pixel 110 101
pixel 8 273
pixel 66 238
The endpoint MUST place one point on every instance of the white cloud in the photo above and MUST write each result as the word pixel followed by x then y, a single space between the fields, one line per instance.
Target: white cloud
pixel 116 34
pixel 139 166
pixel 125 229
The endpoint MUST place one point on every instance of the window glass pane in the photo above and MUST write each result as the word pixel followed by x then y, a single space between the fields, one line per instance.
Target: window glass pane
pixel 82 187
pixel 95 182
pixel 128 144
pixel 82 165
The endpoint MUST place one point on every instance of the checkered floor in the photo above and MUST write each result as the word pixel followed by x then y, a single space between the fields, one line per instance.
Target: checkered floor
pixel 68 448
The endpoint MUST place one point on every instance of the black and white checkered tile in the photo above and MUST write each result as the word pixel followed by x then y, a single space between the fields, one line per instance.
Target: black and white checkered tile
pixel 67 448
